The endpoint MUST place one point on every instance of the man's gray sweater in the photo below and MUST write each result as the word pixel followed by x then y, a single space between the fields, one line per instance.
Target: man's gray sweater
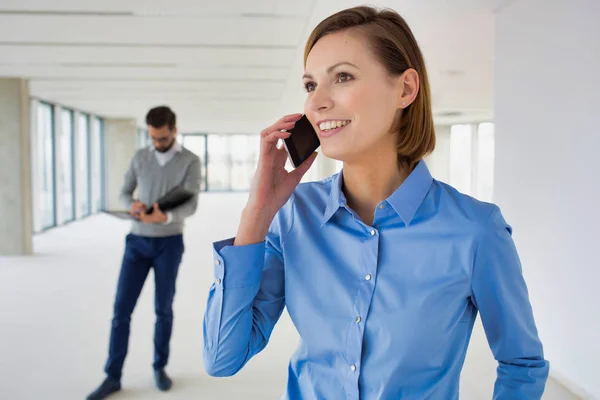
pixel 153 181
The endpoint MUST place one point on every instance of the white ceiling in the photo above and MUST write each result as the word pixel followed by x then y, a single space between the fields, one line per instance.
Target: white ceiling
pixel 228 65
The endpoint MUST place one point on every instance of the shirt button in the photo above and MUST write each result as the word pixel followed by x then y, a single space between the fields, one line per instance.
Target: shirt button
pixel 373 232
pixel 382 206
pixel 353 367
pixel 368 277
pixel 218 281
pixel 218 262
pixel 358 319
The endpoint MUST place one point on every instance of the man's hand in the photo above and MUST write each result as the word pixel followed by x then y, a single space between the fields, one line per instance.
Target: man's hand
pixel 137 208
pixel 155 217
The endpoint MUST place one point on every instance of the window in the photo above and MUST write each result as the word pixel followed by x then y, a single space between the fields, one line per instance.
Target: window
pixel 460 158
pixel 232 161
pixel 485 161
pixel 66 171
pixel 97 155
pixel 45 184
pixel 219 160
pixel 196 143
pixel 142 138
pixel 472 159
pixel 82 171
pixel 244 158
pixel 67 167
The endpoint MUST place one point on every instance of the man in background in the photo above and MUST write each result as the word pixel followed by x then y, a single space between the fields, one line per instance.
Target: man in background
pixel 155 242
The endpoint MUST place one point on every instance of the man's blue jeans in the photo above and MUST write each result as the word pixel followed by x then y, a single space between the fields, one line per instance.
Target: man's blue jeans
pixel 141 254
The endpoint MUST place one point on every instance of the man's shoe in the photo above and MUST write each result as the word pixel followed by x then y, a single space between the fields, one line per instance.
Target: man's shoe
pixel 108 387
pixel 163 382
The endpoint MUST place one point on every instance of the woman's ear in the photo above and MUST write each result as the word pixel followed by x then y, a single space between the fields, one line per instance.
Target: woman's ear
pixel 408 88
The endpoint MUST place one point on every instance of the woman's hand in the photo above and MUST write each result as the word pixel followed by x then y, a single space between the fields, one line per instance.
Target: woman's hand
pixel 272 185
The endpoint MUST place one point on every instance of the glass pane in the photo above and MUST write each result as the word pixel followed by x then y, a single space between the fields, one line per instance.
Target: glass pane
pixel 485 161
pixel 142 138
pixel 45 156
pixel 460 158
pixel 82 170
pixel 197 145
pixel 219 162
pixel 96 158
pixel 244 158
pixel 66 175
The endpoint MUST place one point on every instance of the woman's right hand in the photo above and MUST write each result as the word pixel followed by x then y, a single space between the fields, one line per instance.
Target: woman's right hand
pixel 272 185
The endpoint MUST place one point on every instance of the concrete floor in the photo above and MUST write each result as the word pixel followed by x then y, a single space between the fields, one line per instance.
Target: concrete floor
pixel 56 311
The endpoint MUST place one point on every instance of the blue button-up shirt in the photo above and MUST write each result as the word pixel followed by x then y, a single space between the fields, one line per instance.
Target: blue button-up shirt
pixel 383 311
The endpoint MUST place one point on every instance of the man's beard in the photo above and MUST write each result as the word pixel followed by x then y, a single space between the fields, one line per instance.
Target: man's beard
pixel 165 149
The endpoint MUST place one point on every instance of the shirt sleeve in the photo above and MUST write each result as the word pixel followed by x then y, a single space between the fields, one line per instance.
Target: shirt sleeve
pixel 245 301
pixel 500 293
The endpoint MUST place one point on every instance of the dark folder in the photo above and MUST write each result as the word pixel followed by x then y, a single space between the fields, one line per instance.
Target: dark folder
pixel 173 199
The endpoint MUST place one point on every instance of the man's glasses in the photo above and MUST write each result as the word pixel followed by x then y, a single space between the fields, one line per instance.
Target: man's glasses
pixel 161 140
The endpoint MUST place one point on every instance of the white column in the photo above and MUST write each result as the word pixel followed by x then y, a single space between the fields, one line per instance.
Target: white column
pixel 121 143
pixel 15 174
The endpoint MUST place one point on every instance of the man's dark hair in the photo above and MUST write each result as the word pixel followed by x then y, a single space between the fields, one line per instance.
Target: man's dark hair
pixel 161 116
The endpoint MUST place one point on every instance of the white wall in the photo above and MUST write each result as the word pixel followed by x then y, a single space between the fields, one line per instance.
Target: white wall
pixel 547 116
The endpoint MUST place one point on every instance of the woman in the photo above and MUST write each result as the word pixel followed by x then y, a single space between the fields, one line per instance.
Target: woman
pixel 382 268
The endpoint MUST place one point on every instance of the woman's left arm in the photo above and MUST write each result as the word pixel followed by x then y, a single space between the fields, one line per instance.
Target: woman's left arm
pixel 500 294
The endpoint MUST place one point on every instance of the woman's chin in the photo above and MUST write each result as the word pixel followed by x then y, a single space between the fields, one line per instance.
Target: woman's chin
pixel 334 152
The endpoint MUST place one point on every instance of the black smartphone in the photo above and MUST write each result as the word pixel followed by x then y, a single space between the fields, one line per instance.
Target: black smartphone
pixel 302 142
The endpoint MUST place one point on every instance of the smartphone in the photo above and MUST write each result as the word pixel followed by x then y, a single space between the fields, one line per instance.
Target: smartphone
pixel 302 142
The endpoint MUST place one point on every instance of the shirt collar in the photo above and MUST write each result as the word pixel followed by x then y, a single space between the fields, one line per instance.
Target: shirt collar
pixel 406 200
pixel 336 198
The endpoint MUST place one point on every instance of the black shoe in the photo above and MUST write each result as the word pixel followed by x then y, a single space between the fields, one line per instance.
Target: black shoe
pixel 108 387
pixel 163 382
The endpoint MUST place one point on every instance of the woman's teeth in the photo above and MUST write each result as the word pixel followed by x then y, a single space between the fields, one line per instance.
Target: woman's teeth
pixel 328 125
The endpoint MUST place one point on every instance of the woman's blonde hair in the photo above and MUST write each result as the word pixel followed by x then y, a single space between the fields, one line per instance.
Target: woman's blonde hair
pixel 394 45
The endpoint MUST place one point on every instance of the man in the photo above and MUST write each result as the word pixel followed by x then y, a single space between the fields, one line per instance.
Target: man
pixel 155 241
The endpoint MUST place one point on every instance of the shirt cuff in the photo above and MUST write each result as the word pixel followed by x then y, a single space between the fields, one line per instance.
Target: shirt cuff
pixel 238 266
pixel 169 218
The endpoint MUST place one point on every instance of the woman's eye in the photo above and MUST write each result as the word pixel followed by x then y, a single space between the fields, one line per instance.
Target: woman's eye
pixel 344 77
pixel 309 86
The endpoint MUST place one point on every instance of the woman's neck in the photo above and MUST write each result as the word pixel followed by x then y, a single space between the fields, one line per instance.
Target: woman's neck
pixel 368 183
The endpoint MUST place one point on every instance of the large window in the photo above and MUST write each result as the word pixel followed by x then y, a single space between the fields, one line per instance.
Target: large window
pixel 65 170
pixel 460 157
pixel 45 204
pixel 219 161
pixel 244 158
pixel 82 171
pixel 472 159
pixel 232 161
pixel 97 153
pixel 143 138
pixel 197 145
pixel 228 161
pixel 67 164
pixel 485 161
